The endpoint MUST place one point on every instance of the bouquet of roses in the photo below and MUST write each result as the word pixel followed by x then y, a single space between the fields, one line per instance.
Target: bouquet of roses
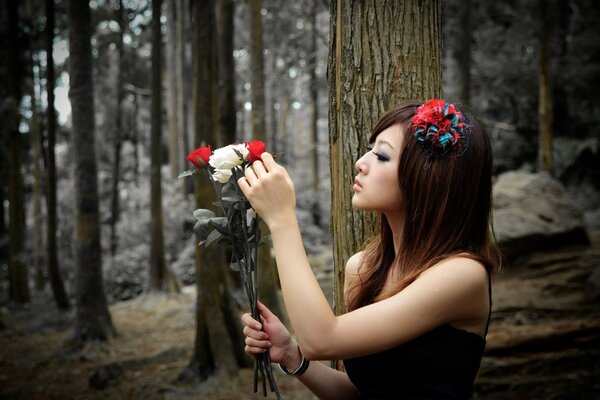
pixel 237 228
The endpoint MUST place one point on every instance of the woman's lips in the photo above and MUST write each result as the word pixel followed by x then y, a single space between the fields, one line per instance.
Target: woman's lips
pixel 357 187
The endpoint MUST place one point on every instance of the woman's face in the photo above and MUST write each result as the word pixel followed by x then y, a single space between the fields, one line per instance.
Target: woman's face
pixel 376 184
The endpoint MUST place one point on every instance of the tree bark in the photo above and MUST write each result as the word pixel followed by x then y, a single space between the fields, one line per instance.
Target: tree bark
pixel 314 104
pixel 226 89
pixel 18 276
pixel 544 160
pixel 267 273
pixel 93 320
pixel 227 132
pixel 121 18
pixel 463 51
pixel 212 346
pixel 36 130
pixel 161 277
pixel 175 157
pixel 183 91
pixel 56 281
pixel 379 55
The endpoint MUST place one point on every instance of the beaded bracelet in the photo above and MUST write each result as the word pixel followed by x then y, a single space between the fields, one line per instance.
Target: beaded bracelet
pixel 300 370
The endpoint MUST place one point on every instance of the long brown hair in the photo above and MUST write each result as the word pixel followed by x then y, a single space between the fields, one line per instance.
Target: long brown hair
pixel 446 208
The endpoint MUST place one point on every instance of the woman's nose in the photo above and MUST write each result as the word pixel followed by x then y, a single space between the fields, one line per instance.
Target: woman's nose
pixel 361 165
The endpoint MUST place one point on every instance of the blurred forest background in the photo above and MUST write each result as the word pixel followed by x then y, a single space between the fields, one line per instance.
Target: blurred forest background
pixel 96 236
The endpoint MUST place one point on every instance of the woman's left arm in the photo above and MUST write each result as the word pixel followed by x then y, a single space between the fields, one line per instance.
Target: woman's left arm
pixel 443 294
pixel 270 190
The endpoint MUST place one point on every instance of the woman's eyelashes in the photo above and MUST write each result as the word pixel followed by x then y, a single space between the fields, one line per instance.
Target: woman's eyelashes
pixel 380 155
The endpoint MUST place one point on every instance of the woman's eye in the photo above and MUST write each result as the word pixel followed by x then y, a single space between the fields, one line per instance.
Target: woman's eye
pixel 381 157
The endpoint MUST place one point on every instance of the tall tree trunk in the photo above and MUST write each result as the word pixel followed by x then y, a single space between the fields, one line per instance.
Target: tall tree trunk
pixel 314 104
pixel 545 95
pixel 227 133
pixel 267 273
pixel 36 130
pixel 212 347
pixel 175 157
pixel 93 319
pixel 56 282
pixel 121 18
pixel 227 117
pixel 161 277
pixel 371 67
pixel 463 51
pixel 561 120
pixel 183 91
pixel 18 276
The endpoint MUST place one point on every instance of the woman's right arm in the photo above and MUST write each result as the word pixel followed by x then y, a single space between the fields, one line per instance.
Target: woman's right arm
pixel 325 382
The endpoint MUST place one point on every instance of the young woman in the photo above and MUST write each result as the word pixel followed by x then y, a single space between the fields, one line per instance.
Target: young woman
pixel 419 295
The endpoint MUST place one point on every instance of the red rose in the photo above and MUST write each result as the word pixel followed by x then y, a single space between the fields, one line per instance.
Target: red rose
pixel 201 153
pixel 255 149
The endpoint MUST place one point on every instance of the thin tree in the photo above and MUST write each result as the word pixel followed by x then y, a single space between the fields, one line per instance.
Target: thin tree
pixel 18 276
pixel 35 129
pixel 174 135
pixel 93 321
pixel 56 282
pixel 121 18
pixel 161 277
pixel 462 51
pixel 371 68
pixel 314 105
pixel 544 159
pixel 184 92
pixel 227 115
pixel 212 347
pixel 267 273
pixel 227 133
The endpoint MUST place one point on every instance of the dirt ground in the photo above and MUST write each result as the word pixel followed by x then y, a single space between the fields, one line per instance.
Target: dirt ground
pixel 544 343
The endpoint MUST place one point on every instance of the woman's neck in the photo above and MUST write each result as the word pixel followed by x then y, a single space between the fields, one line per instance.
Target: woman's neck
pixel 395 222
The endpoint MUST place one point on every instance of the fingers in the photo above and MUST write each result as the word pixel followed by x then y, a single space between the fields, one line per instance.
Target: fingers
pixel 257 341
pixel 265 312
pixel 251 322
pixel 268 161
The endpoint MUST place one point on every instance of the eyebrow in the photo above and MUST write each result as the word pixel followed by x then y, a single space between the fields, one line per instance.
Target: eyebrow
pixel 384 142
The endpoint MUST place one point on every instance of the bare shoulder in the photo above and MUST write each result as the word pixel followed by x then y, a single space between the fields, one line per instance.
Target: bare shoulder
pixel 459 275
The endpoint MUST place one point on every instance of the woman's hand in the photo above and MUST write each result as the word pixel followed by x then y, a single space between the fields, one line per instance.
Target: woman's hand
pixel 274 337
pixel 270 191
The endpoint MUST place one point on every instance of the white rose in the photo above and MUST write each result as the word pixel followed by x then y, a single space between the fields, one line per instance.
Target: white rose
pixel 222 175
pixel 226 157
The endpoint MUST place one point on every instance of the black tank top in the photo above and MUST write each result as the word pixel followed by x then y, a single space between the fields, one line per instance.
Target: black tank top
pixel 440 364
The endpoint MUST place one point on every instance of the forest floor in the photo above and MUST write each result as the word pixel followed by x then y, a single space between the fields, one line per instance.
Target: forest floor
pixel 544 343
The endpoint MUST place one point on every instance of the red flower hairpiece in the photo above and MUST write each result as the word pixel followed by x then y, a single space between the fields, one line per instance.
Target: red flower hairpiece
pixel 439 126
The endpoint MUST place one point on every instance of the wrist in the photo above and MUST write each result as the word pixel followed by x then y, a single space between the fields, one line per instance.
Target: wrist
pixel 293 358
pixel 282 223
pixel 298 371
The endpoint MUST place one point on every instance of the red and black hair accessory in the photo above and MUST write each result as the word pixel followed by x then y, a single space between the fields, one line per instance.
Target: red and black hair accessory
pixel 439 128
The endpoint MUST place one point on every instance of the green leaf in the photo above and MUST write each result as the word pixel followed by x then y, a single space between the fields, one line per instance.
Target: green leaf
pixel 187 173
pixel 220 224
pixel 202 214
pixel 214 235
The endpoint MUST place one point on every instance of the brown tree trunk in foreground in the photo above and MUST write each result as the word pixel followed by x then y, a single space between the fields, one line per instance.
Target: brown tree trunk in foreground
pixel 213 347
pixel 371 68
pixel 93 321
